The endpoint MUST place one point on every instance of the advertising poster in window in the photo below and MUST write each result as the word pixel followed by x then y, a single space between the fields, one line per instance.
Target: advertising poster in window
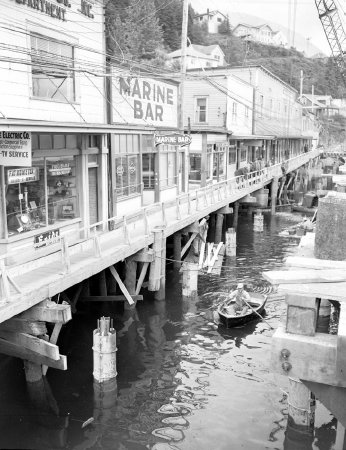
pixel 143 101
pixel 15 148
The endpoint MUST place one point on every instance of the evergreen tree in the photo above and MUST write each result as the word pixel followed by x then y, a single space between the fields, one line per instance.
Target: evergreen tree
pixel 170 19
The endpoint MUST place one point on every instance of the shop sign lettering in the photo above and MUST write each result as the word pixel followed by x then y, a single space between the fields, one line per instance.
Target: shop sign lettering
pixel 45 239
pixel 59 169
pixel 15 176
pixel 145 101
pixel 49 8
pixel 132 168
pixel 173 139
pixel 15 148
pixel 120 170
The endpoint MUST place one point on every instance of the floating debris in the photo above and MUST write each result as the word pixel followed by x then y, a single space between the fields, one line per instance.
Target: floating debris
pixel 87 422
pixel 169 433
pixel 176 421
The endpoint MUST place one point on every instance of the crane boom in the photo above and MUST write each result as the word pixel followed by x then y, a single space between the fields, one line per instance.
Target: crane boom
pixel 334 31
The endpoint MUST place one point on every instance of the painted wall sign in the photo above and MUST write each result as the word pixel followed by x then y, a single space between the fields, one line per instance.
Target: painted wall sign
pixel 143 101
pixel 173 139
pixel 48 238
pixel 15 148
pixel 26 175
pixel 49 8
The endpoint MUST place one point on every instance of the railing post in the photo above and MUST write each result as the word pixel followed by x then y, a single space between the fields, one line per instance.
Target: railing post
pixel 126 231
pixel 164 220
pixel 178 208
pixel 97 247
pixel 65 255
pixel 188 203
pixel 146 222
pixel 205 196
pixel 5 283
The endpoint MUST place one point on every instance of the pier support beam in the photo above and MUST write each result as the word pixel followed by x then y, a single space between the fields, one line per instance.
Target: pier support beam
pixel 258 221
pixel 104 348
pixel 157 274
pixel 177 250
pixel 231 242
pixel 130 279
pixel 235 215
pixel 190 279
pixel 301 405
pixel 218 228
pixel 273 194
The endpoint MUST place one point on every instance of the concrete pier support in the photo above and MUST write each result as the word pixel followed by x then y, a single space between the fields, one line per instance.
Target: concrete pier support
pixel 301 406
pixel 231 242
pixel 218 228
pixel 157 274
pixel 258 221
pixel 190 279
pixel 161 293
pixel 274 193
pixel 177 250
pixel 235 215
pixel 104 348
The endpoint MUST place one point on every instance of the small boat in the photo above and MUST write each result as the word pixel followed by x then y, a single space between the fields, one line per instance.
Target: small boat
pixel 257 302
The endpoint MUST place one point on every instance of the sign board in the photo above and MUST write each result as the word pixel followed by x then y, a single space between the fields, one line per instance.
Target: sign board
pixel 15 148
pixel 144 101
pixel 48 238
pixel 24 175
pixel 59 169
pixel 173 139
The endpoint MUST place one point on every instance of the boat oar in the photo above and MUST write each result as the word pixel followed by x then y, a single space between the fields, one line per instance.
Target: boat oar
pixel 259 315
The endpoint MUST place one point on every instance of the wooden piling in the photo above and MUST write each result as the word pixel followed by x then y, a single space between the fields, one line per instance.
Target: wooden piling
pixel 301 405
pixel 273 194
pixel 104 348
pixel 218 228
pixel 235 215
pixel 258 221
pixel 190 279
pixel 130 279
pixel 157 274
pixel 177 250
pixel 231 242
pixel 161 293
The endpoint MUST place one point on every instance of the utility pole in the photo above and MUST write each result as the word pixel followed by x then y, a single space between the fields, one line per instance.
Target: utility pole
pixel 312 97
pixel 301 84
pixel 183 65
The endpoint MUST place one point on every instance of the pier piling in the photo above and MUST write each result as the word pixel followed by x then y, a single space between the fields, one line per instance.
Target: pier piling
pixel 231 242
pixel 104 348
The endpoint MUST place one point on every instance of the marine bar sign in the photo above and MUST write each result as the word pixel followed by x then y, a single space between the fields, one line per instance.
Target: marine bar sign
pixel 173 139
pixel 15 148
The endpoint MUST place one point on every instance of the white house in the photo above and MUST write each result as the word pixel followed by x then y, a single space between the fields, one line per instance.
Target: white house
pixel 213 19
pixel 199 56
pixel 260 33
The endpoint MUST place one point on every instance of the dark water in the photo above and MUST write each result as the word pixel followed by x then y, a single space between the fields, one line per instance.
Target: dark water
pixel 183 381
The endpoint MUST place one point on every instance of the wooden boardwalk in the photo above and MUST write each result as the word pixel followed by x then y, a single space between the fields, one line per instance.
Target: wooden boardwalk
pixel 70 261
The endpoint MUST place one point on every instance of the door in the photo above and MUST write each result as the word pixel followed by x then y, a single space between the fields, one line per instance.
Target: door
pixel 93 198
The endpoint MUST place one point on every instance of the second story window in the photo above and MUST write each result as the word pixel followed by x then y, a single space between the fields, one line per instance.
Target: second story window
pixel 52 69
pixel 201 110
pixel 234 111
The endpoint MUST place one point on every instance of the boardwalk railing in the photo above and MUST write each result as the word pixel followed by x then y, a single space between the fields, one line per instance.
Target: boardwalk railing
pixel 173 214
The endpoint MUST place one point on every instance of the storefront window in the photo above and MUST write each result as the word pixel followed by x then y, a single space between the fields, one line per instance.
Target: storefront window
pixel 148 166
pixel 232 154
pixel 127 175
pixel 41 195
pixel 195 166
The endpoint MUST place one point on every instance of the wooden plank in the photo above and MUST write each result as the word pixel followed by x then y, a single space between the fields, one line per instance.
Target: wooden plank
pixel 33 343
pixel 121 285
pixel 8 348
pixel 109 298
pixel 341 345
pixel 311 358
pixel 48 312
pixel 304 276
pixel 213 259
pixel 141 277
pixel 53 340
pixel 24 326
pixel 328 291
pixel 314 263
pixel 187 245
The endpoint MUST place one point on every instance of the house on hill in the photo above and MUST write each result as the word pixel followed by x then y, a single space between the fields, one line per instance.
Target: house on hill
pixel 213 19
pixel 261 33
pixel 199 56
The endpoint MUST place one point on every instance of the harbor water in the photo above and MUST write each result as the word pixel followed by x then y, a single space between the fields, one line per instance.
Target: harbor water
pixel 184 382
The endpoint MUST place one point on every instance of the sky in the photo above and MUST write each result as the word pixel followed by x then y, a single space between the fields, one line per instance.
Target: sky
pixel 307 24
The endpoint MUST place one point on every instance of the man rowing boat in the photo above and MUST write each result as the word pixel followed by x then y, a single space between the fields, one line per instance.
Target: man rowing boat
pixel 239 306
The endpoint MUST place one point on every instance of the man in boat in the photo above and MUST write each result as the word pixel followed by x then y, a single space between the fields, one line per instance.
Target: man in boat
pixel 239 307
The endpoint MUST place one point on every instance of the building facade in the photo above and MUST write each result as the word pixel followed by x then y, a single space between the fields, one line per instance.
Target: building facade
pixel 263 34
pixel 199 56
pixel 213 19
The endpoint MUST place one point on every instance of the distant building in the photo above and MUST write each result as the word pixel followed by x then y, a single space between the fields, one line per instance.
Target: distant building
pixel 261 33
pixel 320 105
pixel 200 56
pixel 212 18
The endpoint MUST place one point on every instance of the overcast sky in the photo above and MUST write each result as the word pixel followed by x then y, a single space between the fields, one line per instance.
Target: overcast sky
pixel 307 25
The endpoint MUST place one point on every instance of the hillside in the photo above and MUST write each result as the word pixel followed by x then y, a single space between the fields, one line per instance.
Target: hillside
pixel 285 63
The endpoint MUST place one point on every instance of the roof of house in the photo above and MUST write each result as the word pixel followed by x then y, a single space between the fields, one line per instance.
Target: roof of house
pixel 315 99
pixel 210 13
pixel 252 26
pixel 196 50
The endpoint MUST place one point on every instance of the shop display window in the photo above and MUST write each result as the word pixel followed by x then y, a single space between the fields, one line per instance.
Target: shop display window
pixel 41 195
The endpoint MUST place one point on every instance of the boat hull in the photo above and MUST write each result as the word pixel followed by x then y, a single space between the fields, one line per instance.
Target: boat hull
pixel 257 301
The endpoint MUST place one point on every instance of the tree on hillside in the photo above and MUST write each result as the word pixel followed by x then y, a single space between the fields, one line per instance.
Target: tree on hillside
pixel 170 19
pixel 197 33
pixel 139 35
pixel 225 27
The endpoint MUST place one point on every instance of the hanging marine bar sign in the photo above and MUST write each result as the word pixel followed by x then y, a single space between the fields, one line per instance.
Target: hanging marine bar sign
pixel 173 139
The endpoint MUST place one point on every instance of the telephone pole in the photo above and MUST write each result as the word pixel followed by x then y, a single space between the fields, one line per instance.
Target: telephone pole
pixel 183 66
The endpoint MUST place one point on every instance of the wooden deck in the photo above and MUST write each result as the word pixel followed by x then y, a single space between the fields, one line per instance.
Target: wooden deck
pixel 70 262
